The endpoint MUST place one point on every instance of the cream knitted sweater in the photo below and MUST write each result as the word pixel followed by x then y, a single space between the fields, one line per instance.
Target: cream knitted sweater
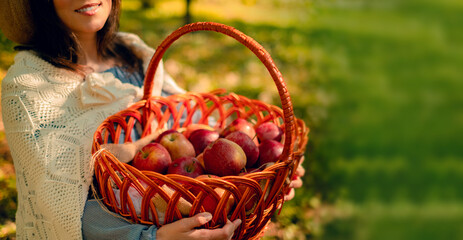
pixel 50 116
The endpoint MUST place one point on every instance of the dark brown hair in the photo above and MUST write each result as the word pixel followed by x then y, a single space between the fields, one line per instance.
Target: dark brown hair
pixel 55 43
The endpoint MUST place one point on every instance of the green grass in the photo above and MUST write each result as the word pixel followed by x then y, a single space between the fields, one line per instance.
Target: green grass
pixel 392 133
pixel 397 96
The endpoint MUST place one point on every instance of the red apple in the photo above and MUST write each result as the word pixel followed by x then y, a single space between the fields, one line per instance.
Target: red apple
pixel 206 176
pixel 210 203
pixel 177 145
pixel 269 131
pixel 247 144
pixel 203 176
pixel 196 126
pixel 186 166
pixel 240 124
pixel 152 157
pixel 270 151
pixel 195 190
pixel 201 138
pixel 158 139
pixel 224 157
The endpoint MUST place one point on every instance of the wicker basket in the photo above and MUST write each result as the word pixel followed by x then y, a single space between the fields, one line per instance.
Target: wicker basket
pixel 263 190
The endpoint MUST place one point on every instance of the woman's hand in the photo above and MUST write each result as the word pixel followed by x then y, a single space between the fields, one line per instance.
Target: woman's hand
pixel 185 229
pixel 296 182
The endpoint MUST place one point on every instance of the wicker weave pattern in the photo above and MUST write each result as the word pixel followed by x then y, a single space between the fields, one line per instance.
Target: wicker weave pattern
pixel 262 190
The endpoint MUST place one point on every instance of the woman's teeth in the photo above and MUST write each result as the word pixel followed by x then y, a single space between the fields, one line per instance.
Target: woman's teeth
pixel 87 9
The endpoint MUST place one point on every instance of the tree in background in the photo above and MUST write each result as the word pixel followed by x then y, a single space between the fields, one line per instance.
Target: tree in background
pixel 187 11
pixel 145 4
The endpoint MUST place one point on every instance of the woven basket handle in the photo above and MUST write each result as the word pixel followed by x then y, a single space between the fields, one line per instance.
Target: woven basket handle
pixel 250 43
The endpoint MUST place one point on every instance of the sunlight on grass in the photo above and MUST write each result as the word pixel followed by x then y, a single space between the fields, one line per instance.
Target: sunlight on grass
pixel 7 230
pixel 166 9
pixel 130 5
pixel 2 73
pixel 259 13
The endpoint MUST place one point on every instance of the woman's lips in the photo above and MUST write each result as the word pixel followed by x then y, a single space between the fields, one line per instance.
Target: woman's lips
pixel 89 9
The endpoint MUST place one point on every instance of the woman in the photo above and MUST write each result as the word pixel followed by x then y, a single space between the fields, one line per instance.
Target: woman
pixel 54 97
pixel 74 70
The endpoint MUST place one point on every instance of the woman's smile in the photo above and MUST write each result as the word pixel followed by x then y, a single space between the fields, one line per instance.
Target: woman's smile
pixel 89 9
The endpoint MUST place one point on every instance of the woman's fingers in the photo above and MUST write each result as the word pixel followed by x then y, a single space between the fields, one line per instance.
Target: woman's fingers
pixel 224 233
pixel 188 224
pixel 231 227
pixel 290 195
pixel 186 229
pixel 300 171
pixel 196 221
pixel 296 183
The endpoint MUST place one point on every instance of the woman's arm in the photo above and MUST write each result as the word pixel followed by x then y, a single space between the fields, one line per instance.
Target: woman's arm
pixel 99 224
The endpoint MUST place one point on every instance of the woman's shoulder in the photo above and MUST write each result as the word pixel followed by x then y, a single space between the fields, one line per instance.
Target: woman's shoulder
pixel 131 39
pixel 28 66
pixel 26 61
pixel 137 45
pixel 126 36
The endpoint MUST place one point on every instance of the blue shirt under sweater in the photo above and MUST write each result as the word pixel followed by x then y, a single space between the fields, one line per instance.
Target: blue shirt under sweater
pixel 102 225
pixel 98 224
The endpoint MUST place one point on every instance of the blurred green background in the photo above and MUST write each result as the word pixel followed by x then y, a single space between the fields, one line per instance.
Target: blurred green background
pixel 377 82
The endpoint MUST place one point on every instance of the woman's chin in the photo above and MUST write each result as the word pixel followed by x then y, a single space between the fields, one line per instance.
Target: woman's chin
pixel 88 29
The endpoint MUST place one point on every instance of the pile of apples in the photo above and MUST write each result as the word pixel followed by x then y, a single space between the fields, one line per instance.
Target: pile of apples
pixel 202 150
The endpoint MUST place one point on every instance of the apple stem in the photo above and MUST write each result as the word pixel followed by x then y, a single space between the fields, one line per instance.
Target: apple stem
pixel 144 154
pixel 255 135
